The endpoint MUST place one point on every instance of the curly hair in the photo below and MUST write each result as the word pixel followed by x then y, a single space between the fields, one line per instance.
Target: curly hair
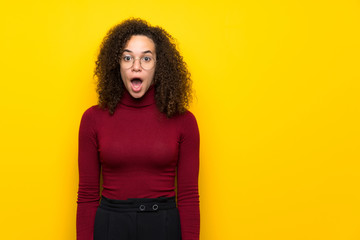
pixel 172 79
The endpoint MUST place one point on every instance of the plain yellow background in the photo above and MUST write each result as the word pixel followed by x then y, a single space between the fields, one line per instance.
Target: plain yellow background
pixel 277 103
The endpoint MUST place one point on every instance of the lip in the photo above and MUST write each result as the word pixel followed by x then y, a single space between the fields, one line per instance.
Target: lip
pixel 135 85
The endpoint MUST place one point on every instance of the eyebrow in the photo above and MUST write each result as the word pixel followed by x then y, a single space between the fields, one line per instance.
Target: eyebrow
pixel 147 51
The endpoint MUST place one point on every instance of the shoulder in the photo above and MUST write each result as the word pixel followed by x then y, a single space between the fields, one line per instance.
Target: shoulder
pixel 188 116
pixel 91 110
pixel 188 121
pixel 92 113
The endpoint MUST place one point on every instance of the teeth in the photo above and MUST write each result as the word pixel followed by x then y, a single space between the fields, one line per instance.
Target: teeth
pixel 136 84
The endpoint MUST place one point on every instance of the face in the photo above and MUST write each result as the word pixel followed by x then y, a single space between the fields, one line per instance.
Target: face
pixel 138 77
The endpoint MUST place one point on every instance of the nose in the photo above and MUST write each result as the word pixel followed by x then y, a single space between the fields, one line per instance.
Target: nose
pixel 136 65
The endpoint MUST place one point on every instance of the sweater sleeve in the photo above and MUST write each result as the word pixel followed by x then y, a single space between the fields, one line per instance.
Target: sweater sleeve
pixel 89 174
pixel 187 179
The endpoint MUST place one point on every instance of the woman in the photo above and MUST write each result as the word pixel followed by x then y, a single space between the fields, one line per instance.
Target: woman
pixel 141 138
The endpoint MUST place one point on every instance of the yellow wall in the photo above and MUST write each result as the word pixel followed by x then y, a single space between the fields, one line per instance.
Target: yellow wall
pixel 277 85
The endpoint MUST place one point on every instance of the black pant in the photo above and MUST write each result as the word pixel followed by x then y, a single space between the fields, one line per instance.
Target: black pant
pixel 137 219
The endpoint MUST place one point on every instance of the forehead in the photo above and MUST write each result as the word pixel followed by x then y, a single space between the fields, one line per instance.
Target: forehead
pixel 139 44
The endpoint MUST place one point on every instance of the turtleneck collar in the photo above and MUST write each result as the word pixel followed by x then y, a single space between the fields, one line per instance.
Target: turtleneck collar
pixel 146 100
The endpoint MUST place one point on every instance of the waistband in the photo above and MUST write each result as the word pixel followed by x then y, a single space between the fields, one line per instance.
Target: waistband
pixel 138 204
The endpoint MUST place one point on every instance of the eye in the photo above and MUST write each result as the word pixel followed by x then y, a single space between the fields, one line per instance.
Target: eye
pixel 127 58
pixel 147 59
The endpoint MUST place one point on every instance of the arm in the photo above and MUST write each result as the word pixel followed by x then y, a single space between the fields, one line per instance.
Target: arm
pixel 89 174
pixel 187 179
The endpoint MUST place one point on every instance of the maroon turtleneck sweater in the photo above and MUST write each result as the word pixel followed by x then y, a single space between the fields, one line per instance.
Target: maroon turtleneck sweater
pixel 140 152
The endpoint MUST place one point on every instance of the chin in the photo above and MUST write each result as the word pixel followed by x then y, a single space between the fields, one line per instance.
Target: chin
pixel 136 94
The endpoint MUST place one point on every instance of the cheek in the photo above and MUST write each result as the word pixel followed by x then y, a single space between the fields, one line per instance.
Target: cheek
pixel 123 74
pixel 151 75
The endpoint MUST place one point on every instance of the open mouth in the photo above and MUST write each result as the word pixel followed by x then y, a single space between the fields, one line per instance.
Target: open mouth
pixel 136 84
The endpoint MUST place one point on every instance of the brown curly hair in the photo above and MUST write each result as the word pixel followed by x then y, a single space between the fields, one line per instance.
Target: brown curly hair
pixel 172 80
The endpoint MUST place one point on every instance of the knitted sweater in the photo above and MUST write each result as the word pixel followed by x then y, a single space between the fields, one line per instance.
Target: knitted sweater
pixel 140 153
